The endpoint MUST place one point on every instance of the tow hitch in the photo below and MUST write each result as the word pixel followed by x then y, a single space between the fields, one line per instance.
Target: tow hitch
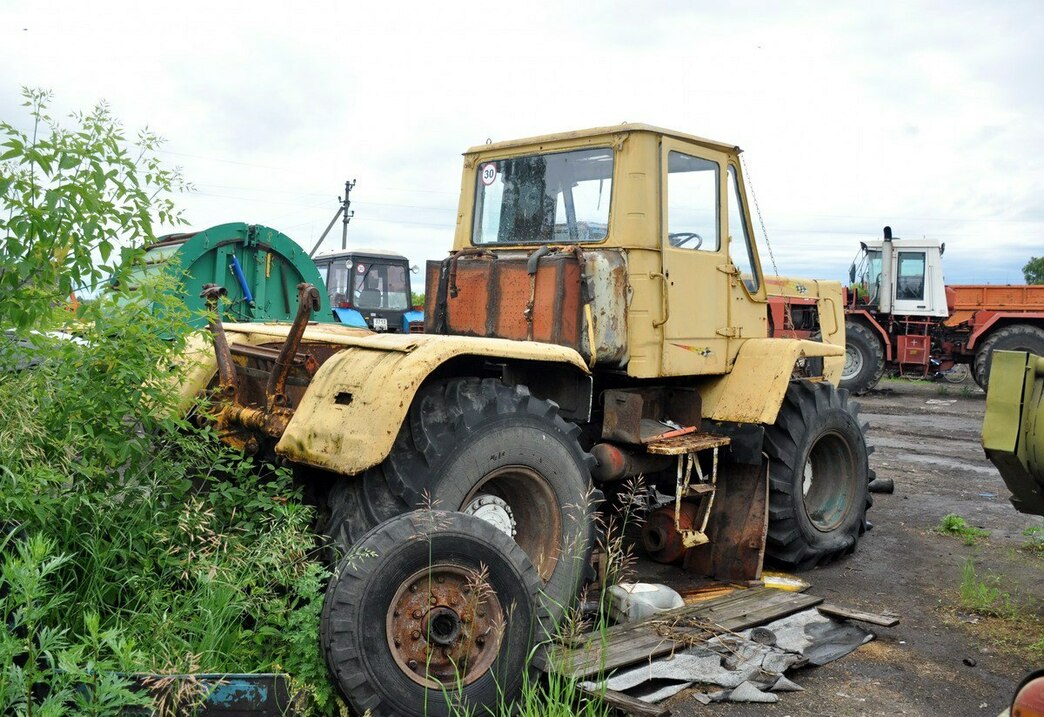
pixel 238 420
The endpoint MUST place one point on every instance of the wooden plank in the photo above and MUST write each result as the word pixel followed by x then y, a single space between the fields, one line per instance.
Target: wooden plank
pixel 850 614
pixel 626 703
pixel 769 613
pixel 636 642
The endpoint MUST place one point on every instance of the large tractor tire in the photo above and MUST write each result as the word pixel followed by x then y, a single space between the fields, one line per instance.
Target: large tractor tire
pixel 818 476
pixel 864 359
pixel 1020 337
pixel 432 613
pixel 493 451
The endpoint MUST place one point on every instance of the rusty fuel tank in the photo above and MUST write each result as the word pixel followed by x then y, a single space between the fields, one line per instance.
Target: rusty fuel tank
pixel 558 295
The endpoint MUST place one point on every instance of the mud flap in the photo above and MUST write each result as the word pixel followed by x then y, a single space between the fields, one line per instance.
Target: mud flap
pixel 737 527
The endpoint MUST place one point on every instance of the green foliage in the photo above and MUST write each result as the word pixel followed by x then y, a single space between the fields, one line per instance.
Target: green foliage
pixel 44 670
pixel 416 299
pixel 983 596
pixel 1035 535
pixel 166 537
pixel 1034 270
pixel 955 525
pixel 68 199
pixel 122 525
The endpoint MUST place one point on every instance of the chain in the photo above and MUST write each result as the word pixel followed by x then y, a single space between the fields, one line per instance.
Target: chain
pixel 754 196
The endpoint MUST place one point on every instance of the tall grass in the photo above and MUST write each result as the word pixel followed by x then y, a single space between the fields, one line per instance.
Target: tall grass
pixel 155 548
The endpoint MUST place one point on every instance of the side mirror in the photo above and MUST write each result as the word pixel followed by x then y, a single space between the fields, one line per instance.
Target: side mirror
pixel 851 274
pixel 414 269
pixel 942 248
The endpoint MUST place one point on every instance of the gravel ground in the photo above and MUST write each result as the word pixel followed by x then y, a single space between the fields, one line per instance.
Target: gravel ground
pixel 926 438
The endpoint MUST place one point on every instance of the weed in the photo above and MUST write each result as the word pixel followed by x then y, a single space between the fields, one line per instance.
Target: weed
pixel 1035 535
pixel 983 596
pixel 953 524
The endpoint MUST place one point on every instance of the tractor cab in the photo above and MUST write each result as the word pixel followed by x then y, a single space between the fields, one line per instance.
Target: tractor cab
pixel 899 276
pixel 370 289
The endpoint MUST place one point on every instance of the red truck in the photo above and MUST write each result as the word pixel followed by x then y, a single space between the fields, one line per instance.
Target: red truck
pixel 899 316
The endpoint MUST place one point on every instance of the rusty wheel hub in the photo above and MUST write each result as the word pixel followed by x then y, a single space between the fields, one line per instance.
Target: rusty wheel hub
pixel 444 626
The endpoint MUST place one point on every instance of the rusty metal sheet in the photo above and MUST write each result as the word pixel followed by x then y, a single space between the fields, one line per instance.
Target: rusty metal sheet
pixel 737 527
pixel 485 295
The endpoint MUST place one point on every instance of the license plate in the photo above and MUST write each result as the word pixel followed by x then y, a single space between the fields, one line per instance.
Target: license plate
pixel 380 324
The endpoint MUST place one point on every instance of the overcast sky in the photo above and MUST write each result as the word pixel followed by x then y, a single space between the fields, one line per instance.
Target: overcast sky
pixel 925 116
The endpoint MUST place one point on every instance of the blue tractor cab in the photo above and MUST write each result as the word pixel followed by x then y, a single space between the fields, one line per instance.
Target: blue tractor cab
pixel 370 289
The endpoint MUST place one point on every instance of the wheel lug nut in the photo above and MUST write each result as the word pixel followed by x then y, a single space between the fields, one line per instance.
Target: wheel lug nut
pixel 417 614
pixel 440 579
pixel 412 664
pixel 413 588
pixel 433 601
pixel 416 634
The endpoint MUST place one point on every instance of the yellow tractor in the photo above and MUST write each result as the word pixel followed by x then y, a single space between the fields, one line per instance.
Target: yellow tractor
pixel 601 317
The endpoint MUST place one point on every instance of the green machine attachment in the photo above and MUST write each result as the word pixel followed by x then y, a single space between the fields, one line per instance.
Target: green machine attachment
pixel 259 267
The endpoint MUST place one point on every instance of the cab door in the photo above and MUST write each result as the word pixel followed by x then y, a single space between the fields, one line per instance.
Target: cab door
pixel 919 289
pixel 748 315
pixel 695 268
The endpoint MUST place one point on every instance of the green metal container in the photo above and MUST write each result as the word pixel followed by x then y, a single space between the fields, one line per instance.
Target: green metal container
pixel 1013 431
pixel 258 266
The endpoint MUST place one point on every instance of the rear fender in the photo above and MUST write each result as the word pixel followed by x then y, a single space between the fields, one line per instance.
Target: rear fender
pixel 355 403
pixel 754 390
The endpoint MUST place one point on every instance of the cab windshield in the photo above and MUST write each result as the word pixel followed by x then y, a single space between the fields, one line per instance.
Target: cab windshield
pixel 367 285
pixel 552 198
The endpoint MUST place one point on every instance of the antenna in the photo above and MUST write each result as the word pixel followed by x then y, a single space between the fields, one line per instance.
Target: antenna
pixel 345 213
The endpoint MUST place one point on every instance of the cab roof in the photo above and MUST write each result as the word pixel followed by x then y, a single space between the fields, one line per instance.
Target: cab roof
pixel 371 252
pixel 626 127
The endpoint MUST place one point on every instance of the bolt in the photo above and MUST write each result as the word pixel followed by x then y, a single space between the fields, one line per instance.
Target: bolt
pixel 417 614
pixel 433 600
pixel 416 634
pixel 412 664
pixel 413 588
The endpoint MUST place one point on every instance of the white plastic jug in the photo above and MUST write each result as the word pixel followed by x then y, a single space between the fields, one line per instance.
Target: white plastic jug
pixel 636 601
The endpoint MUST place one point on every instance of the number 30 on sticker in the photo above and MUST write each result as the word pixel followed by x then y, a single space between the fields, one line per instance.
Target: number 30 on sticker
pixel 489 174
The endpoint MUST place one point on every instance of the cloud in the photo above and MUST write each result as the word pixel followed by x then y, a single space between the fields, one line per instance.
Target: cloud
pixel 918 115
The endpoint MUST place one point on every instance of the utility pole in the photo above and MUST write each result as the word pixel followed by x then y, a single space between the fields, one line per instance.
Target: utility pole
pixel 345 212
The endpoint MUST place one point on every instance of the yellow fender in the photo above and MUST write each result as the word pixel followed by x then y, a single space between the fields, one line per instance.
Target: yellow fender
pixel 753 391
pixel 357 400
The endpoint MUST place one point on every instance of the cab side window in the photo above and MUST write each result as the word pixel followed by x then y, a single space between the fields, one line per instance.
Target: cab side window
pixel 692 203
pixel 741 249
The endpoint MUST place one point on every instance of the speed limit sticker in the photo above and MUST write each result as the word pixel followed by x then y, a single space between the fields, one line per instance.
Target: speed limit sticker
pixel 489 174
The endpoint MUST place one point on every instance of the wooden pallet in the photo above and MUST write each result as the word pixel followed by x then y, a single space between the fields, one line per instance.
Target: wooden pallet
pixel 635 642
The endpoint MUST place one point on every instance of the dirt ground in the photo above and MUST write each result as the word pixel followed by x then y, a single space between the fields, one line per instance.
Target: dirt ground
pixel 926 438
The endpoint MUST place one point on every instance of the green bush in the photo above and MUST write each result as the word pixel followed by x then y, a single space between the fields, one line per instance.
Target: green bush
pixel 130 539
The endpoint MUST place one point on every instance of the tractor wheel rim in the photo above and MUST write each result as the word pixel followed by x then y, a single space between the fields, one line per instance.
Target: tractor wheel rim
pixel 444 626
pixel 534 509
pixel 853 363
pixel 828 487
